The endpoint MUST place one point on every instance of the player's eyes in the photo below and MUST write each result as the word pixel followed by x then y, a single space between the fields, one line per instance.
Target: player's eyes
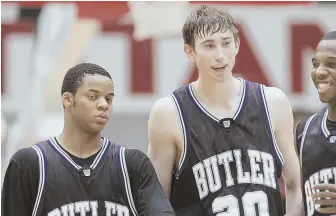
pixel 227 43
pixel 315 64
pixel 331 64
pixel 92 97
pixel 109 100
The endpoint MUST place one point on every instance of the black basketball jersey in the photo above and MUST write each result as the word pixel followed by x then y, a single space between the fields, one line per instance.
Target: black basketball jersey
pixel 228 166
pixel 67 189
pixel 317 151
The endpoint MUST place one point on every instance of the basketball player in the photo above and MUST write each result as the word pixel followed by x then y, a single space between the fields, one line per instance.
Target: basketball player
pixel 226 140
pixel 79 172
pixel 316 135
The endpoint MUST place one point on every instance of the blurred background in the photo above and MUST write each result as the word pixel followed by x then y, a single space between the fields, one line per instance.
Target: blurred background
pixel 141 45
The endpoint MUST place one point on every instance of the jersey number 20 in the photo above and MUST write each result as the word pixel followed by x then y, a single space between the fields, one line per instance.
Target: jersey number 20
pixel 250 200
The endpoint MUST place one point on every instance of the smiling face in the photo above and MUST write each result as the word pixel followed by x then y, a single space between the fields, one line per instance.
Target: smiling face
pixel 324 71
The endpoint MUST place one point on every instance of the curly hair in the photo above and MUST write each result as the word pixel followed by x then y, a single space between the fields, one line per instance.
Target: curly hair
pixel 74 77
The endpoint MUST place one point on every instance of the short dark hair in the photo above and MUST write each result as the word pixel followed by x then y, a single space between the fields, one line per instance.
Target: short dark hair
pixel 330 36
pixel 74 76
pixel 205 20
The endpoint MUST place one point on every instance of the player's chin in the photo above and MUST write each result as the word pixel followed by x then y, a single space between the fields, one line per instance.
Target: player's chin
pixel 324 100
pixel 96 128
pixel 219 77
pixel 328 98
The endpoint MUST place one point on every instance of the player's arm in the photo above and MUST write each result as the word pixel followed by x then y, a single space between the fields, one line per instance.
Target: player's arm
pixel 149 197
pixel 162 126
pixel 20 184
pixel 282 121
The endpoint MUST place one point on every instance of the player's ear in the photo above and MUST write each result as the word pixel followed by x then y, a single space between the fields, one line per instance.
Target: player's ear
pixel 237 44
pixel 67 99
pixel 189 51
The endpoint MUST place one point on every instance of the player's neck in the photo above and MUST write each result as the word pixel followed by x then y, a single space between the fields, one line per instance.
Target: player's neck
pixel 217 93
pixel 332 112
pixel 78 143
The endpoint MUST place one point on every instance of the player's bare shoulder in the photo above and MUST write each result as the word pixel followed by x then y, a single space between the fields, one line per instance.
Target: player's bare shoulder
pixel 278 106
pixel 163 117
pixel 276 96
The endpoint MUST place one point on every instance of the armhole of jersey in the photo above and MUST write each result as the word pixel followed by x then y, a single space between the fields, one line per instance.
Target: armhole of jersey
pixel 184 133
pixel 126 179
pixel 304 133
pixel 42 178
pixel 297 137
pixel 270 128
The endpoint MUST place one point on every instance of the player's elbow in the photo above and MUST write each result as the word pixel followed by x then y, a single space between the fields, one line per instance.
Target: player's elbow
pixel 293 188
pixel 291 176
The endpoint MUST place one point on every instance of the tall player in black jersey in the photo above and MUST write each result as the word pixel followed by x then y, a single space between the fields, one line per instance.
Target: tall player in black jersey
pixel 80 173
pixel 226 140
pixel 316 135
